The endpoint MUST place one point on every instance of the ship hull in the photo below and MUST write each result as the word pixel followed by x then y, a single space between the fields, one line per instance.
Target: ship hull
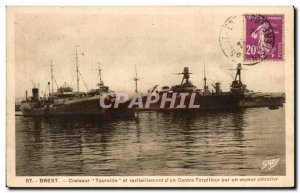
pixel 212 102
pixel 256 102
pixel 78 107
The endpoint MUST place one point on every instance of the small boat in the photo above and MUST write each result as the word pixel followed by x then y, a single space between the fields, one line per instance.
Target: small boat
pixel 273 107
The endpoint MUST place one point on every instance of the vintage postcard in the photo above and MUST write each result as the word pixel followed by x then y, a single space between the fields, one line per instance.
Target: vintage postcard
pixel 150 96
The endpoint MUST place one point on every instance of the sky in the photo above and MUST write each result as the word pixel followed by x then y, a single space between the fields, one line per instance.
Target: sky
pixel 160 43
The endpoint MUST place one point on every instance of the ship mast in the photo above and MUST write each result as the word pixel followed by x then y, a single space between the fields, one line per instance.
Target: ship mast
pixel 204 78
pixel 52 76
pixel 136 80
pixel 238 72
pixel 77 68
pixel 100 75
pixel 205 83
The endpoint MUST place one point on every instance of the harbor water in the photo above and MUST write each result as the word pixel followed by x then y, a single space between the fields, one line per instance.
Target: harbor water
pixel 153 144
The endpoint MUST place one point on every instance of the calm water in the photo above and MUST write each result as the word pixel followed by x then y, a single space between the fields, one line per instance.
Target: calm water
pixel 153 144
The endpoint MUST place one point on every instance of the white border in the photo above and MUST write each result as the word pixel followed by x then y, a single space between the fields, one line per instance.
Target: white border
pixel 4 3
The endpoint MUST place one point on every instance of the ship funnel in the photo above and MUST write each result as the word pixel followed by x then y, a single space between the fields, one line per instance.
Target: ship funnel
pixel 218 88
pixel 35 94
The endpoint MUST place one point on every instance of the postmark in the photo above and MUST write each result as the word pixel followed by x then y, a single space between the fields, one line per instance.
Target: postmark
pixel 231 39
pixel 252 38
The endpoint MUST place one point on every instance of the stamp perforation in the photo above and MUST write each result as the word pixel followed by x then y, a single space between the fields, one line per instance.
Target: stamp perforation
pixel 282 59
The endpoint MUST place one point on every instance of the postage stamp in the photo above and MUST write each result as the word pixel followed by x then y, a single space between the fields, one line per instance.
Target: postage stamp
pixel 264 37
pixel 250 39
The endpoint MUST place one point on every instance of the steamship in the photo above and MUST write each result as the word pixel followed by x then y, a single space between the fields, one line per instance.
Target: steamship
pixel 67 102
pixel 239 97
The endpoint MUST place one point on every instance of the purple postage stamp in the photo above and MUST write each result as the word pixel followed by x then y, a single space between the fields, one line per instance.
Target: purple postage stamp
pixel 264 37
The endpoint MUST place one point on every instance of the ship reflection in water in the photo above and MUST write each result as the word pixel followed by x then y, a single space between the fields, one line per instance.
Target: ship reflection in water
pixel 202 144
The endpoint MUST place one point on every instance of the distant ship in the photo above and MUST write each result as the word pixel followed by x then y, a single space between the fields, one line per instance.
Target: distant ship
pixel 256 99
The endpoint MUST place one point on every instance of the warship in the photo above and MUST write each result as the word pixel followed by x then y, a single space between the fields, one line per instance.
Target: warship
pixel 239 97
pixel 253 99
pixel 204 99
pixel 66 102
pixel 181 97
